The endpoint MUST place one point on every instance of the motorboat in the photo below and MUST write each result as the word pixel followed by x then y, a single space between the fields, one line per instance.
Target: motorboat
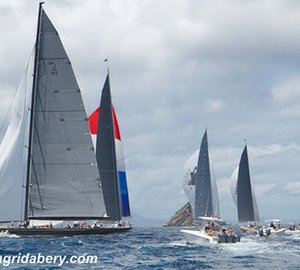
pixel 210 231
pixel 272 226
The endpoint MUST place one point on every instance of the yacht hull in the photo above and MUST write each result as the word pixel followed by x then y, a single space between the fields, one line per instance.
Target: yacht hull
pixel 198 237
pixel 62 231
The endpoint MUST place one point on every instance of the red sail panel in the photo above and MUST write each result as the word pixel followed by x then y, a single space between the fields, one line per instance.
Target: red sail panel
pixel 93 122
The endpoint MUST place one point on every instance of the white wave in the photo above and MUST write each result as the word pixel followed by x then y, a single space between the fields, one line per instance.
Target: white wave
pixel 8 235
pixel 182 243
pixel 292 232
pixel 247 247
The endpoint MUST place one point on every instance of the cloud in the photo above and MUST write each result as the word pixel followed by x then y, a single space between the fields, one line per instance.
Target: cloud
pixel 286 96
pixel 230 66
pixel 272 149
pixel 287 91
pixel 293 188
pixel 214 105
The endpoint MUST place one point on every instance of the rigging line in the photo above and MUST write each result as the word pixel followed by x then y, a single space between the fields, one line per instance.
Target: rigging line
pixel 64 164
pixel 54 111
pixel 33 99
pixel 214 180
pixel 40 145
pixel 39 95
pixel 54 58
pixel 29 70
pixel 118 188
pixel 207 202
pixel 38 186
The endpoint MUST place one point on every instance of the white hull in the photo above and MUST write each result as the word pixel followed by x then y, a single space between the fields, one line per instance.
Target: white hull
pixel 199 237
pixel 293 231
pixel 278 231
pixel 264 232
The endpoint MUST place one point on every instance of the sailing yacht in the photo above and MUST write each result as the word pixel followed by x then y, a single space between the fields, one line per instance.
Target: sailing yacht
pixel 48 168
pixel 109 152
pixel 243 191
pixel 199 184
pixel 206 209
pixel 244 197
pixel 206 192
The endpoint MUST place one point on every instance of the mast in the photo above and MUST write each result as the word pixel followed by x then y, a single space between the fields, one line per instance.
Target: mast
pixel 31 124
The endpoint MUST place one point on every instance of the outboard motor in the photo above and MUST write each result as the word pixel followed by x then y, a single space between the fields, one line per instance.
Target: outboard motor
pixel 237 238
pixel 226 238
pixel 261 232
pixel 230 239
pixel 221 238
pixel 268 231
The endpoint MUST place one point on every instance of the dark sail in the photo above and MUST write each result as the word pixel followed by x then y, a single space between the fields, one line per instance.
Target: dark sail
pixel 206 199
pixel 64 179
pixel 93 121
pixel 106 155
pixel 246 205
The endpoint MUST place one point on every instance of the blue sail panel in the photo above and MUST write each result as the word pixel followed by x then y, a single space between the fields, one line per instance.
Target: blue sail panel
pixel 124 194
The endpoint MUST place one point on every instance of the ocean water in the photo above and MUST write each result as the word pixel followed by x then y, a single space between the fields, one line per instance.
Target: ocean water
pixel 151 248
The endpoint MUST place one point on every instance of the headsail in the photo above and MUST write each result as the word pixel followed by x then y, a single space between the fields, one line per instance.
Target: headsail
pixel 93 121
pixel 13 154
pixel 206 197
pixel 64 180
pixel 106 155
pixel 246 202
pixel 190 169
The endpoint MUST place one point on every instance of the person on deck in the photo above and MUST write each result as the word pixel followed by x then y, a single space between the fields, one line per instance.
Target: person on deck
pixel 272 225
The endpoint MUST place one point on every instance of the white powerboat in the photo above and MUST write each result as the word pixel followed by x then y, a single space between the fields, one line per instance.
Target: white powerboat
pixel 293 229
pixel 273 227
pixel 211 233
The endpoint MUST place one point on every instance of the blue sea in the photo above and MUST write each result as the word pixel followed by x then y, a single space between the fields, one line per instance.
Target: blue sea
pixel 150 248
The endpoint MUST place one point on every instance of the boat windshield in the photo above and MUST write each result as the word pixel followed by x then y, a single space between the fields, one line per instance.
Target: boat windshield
pixel 212 219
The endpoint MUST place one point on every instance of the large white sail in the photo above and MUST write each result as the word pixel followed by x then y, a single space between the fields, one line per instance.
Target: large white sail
pixel 14 151
pixel 190 168
pixel 233 185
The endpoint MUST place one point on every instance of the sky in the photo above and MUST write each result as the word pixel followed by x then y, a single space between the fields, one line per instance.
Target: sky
pixel 176 68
